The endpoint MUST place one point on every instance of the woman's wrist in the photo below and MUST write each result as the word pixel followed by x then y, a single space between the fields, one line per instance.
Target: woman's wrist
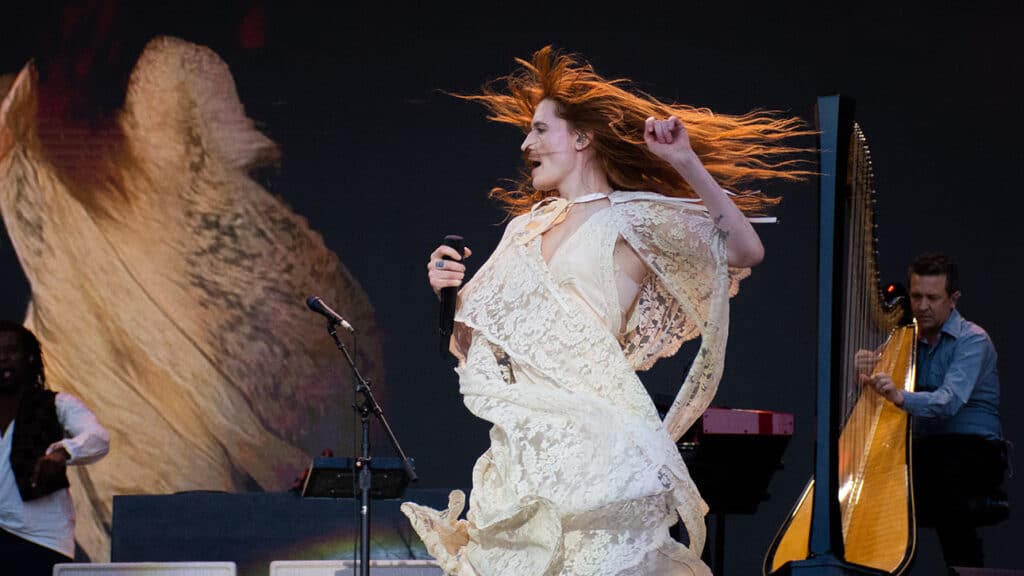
pixel 687 164
pixel 690 167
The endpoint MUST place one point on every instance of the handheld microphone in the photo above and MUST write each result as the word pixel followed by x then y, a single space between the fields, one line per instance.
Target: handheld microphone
pixel 448 297
pixel 316 304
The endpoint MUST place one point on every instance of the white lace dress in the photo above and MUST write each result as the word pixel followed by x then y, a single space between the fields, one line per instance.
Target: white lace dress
pixel 582 477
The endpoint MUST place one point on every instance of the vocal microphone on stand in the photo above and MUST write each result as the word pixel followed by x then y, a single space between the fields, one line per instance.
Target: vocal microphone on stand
pixel 316 304
pixel 448 297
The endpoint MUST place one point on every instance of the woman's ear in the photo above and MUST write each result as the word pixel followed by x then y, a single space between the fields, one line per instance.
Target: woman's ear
pixel 582 140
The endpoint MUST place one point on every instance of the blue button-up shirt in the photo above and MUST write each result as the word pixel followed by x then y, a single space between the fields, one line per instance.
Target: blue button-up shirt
pixel 957 384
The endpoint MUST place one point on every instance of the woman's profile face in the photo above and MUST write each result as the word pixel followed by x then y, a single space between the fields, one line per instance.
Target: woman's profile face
pixel 549 148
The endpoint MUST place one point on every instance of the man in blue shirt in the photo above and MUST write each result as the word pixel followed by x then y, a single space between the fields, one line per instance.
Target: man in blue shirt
pixel 959 457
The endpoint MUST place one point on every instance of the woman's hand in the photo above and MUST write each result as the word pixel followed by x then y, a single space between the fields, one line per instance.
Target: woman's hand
pixel 443 273
pixel 668 140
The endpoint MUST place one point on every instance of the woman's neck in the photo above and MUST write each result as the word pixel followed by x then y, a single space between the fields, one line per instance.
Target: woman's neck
pixel 590 182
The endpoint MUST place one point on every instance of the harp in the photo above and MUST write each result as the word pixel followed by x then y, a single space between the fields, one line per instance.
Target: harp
pixel 856 516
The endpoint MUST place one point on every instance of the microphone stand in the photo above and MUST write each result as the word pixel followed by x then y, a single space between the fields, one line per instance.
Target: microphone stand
pixel 368 406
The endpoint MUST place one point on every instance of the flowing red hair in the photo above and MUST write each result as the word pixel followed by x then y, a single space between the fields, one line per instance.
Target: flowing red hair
pixel 736 150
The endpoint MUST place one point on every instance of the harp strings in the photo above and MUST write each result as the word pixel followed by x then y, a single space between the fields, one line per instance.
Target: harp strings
pixel 865 323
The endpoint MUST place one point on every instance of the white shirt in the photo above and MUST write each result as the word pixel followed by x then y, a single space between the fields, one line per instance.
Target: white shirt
pixel 50 520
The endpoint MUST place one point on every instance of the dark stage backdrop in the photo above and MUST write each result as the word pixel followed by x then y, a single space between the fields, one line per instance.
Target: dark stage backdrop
pixel 384 164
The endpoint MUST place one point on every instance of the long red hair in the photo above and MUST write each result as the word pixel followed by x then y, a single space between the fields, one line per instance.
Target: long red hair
pixel 736 150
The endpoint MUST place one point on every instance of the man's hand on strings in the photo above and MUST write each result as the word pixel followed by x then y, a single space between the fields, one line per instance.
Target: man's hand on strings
pixel 864 361
pixel 883 384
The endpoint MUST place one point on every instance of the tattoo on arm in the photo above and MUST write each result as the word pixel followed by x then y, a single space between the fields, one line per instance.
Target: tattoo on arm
pixel 718 221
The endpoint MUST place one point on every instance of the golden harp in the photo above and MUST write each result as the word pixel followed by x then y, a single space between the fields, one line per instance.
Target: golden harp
pixel 856 516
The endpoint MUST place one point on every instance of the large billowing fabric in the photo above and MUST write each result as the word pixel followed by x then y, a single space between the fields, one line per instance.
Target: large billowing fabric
pixel 171 298
pixel 582 477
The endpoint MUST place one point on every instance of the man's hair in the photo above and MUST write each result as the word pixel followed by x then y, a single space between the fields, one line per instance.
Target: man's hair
pixel 30 345
pixel 936 264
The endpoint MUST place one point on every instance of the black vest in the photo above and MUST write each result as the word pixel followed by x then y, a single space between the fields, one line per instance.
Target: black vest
pixel 35 427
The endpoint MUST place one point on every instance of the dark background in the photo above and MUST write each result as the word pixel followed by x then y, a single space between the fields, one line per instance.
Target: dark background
pixel 384 165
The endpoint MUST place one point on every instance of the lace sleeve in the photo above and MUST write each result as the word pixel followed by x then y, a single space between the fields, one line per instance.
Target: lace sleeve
pixel 687 294
pixel 675 242
pixel 462 335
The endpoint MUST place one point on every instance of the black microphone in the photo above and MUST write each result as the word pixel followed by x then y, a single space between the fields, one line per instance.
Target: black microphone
pixel 448 296
pixel 316 304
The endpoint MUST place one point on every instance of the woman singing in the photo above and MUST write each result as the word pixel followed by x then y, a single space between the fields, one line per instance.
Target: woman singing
pixel 623 246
